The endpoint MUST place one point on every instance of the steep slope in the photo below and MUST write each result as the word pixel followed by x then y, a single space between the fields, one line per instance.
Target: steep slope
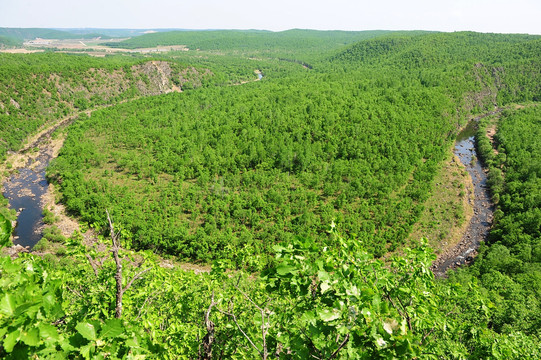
pixel 9 42
pixel 40 88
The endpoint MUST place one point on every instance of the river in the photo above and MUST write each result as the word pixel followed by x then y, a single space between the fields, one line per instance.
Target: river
pixel 26 187
pixel 481 222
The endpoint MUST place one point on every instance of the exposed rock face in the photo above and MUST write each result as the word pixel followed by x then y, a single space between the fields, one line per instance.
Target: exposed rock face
pixel 100 87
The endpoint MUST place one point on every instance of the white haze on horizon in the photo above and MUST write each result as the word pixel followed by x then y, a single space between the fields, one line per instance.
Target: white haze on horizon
pixel 500 16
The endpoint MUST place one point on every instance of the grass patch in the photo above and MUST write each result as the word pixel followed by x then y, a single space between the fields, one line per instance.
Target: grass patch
pixel 449 209
pixel 42 245
pixel 53 234
pixel 49 217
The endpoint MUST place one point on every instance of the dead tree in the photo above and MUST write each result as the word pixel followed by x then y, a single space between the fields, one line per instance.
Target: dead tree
pixel 206 352
pixel 115 236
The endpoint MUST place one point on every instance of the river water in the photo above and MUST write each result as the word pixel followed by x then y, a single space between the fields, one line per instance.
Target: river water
pixel 481 222
pixel 25 190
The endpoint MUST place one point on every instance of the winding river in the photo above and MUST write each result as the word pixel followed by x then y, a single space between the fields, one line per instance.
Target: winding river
pixel 26 187
pixel 483 209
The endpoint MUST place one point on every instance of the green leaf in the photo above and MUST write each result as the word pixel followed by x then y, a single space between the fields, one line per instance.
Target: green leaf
pixel 284 269
pixel 328 315
pixel 47 332
pixel 31 337
pixel 86 350
pixel 112 328
pixel 353 291
pixel 309 317
pixel 323 275
pixel 7 304
pixel 325 286
pixel 88 331
pixel 5 230
pixel 21 309
pixel 11 340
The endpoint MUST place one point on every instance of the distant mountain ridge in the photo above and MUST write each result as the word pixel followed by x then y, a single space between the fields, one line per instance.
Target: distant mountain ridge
pixel 32 33
pixel 409 50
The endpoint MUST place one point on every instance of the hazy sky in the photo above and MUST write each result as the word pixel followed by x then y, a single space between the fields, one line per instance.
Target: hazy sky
pixel 502 16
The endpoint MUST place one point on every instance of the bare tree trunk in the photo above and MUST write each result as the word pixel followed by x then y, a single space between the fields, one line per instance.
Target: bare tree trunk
pixel 208 340
pixel 119 292
pixel 118 275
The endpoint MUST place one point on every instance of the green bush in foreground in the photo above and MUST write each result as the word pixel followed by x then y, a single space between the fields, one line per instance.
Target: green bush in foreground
pixel 333 301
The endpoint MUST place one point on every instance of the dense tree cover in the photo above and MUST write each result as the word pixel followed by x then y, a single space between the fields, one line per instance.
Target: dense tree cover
pixel 7 41
pixel 510 267
pixel 286 43
pixel 231 69
pixel 493 69
pixel 437 49
pixel 235 170
pixel 38 88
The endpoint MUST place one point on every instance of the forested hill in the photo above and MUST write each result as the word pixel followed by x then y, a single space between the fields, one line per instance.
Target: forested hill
pixel 6 41
pixel 433 50
pixel 39 89
pixel 484 69
pixel 284 42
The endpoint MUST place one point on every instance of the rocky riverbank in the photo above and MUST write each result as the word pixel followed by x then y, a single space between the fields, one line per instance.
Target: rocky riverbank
pixel 478 229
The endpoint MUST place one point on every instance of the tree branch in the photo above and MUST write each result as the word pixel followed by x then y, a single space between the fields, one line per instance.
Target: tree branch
pixel 232 316
pixel 118 274
pixel 406 312
pixel 75 292
pixel 135 277
pixel 312 345
pixel 335 353
pixel 208 340
pixel 93 264
pixel 149 298
pixel 264 329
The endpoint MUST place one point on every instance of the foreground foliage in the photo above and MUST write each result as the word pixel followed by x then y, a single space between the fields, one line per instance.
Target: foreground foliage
pixel 335 301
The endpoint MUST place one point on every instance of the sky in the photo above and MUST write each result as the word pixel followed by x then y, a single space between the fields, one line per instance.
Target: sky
pixel 499 16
